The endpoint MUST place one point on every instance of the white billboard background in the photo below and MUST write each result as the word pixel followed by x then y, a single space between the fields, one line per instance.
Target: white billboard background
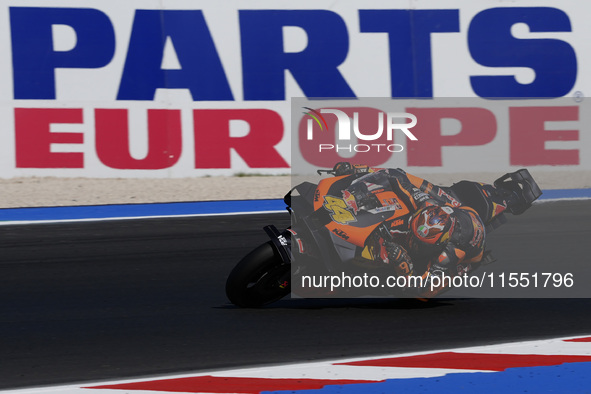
pixel 366 70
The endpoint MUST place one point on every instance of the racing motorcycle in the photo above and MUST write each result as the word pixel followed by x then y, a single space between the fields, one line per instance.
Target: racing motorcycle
pixel 317 243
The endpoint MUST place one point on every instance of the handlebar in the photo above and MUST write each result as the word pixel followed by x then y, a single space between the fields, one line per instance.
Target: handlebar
pixel 329 172
pixel 345 168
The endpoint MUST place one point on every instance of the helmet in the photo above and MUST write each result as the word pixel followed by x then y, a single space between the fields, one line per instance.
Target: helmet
pixel 431 227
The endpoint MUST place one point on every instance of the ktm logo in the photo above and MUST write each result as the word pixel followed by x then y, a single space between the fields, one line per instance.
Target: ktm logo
pixel 340 233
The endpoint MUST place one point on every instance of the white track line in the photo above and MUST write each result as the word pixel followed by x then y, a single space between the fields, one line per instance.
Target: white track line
pixel 190 215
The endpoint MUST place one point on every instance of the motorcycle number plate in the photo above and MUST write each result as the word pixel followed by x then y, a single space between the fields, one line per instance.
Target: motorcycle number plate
pixel 339 211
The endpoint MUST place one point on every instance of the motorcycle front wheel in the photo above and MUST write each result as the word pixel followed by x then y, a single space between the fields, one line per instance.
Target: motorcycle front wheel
pixel 260 278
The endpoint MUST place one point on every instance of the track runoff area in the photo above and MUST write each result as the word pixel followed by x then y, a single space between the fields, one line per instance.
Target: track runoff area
pixel 549 365
pixel 561 365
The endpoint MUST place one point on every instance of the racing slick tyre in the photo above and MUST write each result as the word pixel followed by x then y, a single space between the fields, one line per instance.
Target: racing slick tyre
pixel 258 279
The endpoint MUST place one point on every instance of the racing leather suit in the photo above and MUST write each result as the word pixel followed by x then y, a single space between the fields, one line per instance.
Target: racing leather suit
pixel 391 242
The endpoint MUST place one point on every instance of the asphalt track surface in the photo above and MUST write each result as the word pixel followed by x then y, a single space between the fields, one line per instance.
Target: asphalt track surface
pixel 116 299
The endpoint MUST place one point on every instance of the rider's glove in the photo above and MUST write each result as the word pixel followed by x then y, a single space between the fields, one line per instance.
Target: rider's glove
pixel 398 258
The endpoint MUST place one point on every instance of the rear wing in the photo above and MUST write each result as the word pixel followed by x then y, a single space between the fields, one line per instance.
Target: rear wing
pixel 523 183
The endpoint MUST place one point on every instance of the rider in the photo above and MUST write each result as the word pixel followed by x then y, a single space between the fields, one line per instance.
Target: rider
pixel 438 236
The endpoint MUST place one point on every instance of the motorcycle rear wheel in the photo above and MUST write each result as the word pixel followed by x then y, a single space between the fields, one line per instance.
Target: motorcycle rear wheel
pixel 257 279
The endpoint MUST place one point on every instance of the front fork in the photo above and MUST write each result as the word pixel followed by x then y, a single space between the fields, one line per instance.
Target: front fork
pixel 281 242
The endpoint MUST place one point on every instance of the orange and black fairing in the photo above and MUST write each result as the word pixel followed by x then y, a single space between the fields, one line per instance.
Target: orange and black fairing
pixel 347 220
pixel 497 204
pixel 420 183
pixel 375 250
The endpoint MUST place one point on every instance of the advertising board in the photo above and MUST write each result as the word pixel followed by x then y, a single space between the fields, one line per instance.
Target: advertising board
pixel 193 88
